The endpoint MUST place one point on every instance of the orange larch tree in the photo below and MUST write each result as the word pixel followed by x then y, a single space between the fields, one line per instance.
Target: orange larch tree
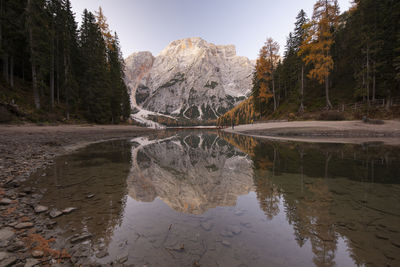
pixel 264 84
pixel 104 28
pixel 316 47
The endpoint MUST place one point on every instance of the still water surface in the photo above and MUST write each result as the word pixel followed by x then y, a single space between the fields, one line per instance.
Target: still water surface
pixel 218 199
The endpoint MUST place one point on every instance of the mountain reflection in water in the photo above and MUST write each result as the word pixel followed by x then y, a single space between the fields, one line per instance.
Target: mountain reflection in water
pixel 191 174
pixel 230 200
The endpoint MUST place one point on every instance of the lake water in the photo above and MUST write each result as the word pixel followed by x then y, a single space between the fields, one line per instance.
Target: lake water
pixel 207 198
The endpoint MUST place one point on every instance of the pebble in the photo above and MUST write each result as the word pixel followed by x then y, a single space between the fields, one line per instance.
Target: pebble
pixel 5 201
pixel 396 243
pixel 102 254
pixel 9 261
pixel 246 224
pixel 31 262
pixel 206 226
pixel 382 236
pixel 235 229
pixel 27 190
pixel 80 238
pixel 54 213
pixel 50 224
pixel 37 253
pixel 3 255
pixel 23 225
pixel 40 209
pixel 90 196
pixel 122 258
pixel 226 243
pixel 69 210
pixel 6 233
pixel 239 212
pixel 226 233
pixel 16 246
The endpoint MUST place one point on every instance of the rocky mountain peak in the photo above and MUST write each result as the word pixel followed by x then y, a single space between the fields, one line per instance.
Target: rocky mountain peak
pixel 189 79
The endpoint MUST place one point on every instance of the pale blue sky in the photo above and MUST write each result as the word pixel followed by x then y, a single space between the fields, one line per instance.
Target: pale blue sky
pixel 150 25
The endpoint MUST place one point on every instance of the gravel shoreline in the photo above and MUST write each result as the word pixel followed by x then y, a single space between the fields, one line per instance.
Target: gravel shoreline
pixel 28 235
pixel 355 132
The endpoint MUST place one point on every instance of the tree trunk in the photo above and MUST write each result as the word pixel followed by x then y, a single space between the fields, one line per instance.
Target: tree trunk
pixel 52 76
pixel 368 74
pixel 58 73
pixel 373 84
pixel 273 91
pixel 5 67
pixel 388 101
pixel 36 97
pixel 301 109
pixel 23 69
pixel 279 91
pixel 12 71
pixel 66 84
pixel 1 26
pixel 328 102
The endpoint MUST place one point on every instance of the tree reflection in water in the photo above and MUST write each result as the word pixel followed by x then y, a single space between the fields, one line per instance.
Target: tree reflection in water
pixel 330 191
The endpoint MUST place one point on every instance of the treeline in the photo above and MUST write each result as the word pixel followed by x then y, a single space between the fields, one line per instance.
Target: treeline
pixel 330 59
pixel 78 70
pixel 244 112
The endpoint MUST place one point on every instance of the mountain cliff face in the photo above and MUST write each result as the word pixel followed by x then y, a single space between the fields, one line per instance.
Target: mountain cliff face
pixel 189 79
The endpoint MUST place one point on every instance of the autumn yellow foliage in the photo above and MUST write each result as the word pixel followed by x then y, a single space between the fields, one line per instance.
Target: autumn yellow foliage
pixel 104 28
pixel 318 40
pixel 242 113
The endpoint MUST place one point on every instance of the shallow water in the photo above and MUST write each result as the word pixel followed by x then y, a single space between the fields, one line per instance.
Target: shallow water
pixel 218 199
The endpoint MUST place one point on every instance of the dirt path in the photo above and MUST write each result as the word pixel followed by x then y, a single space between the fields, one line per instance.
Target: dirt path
pixel 23 150
pixel 324 131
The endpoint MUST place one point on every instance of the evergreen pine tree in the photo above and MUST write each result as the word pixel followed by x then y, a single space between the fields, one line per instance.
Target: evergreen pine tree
pixel 94 85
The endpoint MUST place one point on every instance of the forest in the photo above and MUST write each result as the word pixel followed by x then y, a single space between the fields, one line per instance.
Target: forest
pixel 53 71
pixel 334 66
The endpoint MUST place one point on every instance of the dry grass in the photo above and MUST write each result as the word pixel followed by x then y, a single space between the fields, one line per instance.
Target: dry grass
pixel 38 242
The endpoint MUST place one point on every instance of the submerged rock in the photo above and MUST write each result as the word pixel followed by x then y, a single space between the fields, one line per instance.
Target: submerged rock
pixel 102 254
pixel 54 213
pixel 226 233
pixel 68 210
pixel 80 238
pixel 235 230
pixel 206 226
pixel 226 243
pixel 40 209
